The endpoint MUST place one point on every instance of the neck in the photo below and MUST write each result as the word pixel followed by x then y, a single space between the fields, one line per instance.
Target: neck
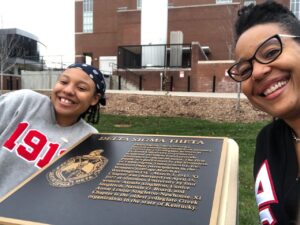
pixel 295 125
pixel 65 121
pixel 295 137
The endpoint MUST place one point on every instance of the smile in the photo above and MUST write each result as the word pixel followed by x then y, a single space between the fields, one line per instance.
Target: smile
pixel 274 87
pixel 66 101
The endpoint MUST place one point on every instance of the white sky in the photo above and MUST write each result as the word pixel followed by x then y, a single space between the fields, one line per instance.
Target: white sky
pixel 52 21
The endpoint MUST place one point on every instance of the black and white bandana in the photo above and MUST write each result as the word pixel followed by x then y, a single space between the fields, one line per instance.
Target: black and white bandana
pixel 96 76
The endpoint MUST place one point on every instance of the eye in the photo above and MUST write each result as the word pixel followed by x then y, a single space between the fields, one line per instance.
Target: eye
pixel 63 82
pixel 268 51
pixel 244 69
pixel 82 88
pixel 270 54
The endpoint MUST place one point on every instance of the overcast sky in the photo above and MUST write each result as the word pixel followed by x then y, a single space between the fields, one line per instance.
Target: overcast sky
pixel 52 21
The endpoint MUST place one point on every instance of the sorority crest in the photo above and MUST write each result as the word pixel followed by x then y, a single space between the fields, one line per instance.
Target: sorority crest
pixel 78 169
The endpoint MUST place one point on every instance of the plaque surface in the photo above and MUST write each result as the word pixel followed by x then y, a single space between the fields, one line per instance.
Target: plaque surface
pixel 126 179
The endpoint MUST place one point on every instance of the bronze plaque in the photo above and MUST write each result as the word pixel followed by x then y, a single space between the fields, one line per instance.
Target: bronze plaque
pixel 126 179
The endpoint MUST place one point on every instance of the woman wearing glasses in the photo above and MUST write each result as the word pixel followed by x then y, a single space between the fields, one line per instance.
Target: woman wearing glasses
pixel 268 67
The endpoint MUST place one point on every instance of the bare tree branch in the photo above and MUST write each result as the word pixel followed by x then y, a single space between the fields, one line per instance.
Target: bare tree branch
pixel 10 48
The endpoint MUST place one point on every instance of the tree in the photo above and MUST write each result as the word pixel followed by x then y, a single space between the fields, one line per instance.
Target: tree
pixel 9 50
pixel 229 40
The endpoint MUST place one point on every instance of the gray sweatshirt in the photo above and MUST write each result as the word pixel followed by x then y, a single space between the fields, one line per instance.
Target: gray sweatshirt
pixel 30 137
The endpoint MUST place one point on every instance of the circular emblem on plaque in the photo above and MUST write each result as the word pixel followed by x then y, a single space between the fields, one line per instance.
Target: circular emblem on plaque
pixel 77 170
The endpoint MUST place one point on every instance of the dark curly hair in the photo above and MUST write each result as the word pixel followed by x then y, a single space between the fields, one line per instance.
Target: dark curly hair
pixel 92 114
pixel 267 12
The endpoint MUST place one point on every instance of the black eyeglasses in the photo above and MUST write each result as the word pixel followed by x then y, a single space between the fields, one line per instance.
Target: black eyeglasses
pixel 266 52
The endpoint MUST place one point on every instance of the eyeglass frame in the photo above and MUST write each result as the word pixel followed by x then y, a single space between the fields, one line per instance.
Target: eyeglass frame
pixel 277 36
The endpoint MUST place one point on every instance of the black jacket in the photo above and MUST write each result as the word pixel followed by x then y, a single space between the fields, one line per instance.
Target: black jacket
pixel 275 172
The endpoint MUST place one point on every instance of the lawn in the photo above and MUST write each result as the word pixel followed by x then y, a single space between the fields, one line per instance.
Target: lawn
pixel 243 133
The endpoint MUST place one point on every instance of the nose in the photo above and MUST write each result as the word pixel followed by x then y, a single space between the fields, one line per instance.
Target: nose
pixel 259 70
pixel 69 89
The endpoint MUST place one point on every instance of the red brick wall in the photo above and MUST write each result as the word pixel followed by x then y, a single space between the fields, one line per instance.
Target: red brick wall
pixel 206 71
pixel 129 28
pixel 209 25
pixel 78 16
pixel 209 77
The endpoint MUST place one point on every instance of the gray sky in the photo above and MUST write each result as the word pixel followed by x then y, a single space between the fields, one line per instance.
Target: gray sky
pixel 52 21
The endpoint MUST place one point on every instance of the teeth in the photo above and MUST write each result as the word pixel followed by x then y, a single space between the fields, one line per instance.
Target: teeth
pixel 65 101
pixel 274 87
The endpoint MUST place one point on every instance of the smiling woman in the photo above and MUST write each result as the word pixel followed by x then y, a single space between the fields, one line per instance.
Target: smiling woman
pixel 34 129
pixel 268 54
pixel 73 93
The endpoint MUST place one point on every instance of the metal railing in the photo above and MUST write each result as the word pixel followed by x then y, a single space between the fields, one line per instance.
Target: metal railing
pixel 145 56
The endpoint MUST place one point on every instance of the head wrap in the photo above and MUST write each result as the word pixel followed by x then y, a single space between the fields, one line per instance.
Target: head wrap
pixel 96 76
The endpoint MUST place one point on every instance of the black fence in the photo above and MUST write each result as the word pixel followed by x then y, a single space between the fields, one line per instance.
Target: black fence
pixel 143 56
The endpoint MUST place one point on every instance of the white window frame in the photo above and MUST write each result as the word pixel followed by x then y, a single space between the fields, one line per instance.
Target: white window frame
pixel 295 7
pixel 223 1
pixel 138 4
pixel 87 22
pixel 248 2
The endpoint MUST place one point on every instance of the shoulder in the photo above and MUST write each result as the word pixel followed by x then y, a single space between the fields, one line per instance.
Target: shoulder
pixel 273 129
pixel 87 128
pixel 32 94
pixel 23 94
pixel 23 101
pixel 270 141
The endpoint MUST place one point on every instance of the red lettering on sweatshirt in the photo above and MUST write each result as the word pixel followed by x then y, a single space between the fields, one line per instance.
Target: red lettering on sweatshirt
pixel 29 146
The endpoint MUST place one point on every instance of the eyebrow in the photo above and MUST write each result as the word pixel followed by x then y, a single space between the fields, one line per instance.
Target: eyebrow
pixel 259 45
pixel 68 77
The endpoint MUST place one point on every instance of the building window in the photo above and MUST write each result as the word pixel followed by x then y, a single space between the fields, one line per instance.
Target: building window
pixel 248 2
pixel 88 58
pixel 138 4
pixel 295 7
pixel 87 16
pixel 223 1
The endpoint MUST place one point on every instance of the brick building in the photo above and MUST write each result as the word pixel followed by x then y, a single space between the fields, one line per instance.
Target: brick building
pixel 108 35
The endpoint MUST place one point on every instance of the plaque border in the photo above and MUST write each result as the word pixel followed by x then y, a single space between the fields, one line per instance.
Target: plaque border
pixel 215 209
pixel 10 221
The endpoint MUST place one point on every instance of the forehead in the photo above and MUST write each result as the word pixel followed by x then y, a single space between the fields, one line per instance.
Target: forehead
pixel 76 75
pixel 253 37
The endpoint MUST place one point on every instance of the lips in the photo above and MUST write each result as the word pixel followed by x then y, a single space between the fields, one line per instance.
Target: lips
pixel 274 87
pixel 66 101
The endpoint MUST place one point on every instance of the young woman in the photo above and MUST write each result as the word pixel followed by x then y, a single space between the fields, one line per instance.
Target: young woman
pixel 268 67
pixel 34 129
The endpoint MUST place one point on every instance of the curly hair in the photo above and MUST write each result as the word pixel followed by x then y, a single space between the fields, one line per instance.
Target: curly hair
pixel 92 115
pixel 267 12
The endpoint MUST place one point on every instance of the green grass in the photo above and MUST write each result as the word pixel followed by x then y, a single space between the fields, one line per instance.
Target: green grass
pixel 243 133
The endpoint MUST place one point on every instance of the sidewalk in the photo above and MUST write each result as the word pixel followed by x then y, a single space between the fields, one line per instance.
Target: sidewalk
pixel 172 93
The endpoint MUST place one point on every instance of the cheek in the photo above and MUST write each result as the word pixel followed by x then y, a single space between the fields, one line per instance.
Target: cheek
pixel 246 87
pixel 247 90
pixel 53 92
pixel 56 87
pixel 87 99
